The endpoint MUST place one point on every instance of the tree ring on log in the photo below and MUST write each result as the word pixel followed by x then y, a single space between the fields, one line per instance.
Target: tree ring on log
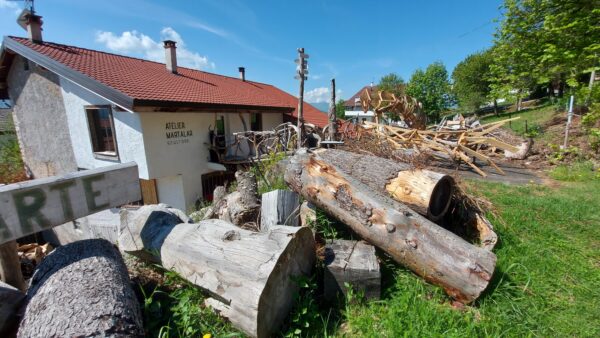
pixel 440 198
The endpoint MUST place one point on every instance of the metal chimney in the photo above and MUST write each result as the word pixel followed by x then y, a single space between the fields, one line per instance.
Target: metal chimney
pixel 170 56
pixel 242 73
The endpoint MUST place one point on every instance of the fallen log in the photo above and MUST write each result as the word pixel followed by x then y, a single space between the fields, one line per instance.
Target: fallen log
pixel 248 274
pixel 427 192
pixel 82 289
pixel 436 254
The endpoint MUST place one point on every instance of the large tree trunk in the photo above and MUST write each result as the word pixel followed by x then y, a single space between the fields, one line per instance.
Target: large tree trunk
pixel 248 274
pixel 428 193
pixel 434 253
pixel 81 290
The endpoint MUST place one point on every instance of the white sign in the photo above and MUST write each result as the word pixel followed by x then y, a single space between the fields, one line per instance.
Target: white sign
pixel 32 206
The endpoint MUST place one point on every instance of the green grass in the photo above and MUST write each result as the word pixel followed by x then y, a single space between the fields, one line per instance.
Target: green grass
pixel 547 279
pixel 576 172
pixel 546 283
pixel 534 117
pixel 176 309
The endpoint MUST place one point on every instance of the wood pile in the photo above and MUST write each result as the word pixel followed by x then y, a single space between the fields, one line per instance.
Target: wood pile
pixel 462 144
pixel 441 257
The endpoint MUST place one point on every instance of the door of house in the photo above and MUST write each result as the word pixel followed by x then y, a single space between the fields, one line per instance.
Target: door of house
pixel 149 193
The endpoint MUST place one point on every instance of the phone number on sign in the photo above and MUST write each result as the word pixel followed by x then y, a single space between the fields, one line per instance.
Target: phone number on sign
pixel 185 140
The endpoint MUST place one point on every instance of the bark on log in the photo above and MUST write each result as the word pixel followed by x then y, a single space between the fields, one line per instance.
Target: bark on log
pixel 248 274
pixel 82 290
pixel 428 193
pixel 436 254
pixel 241 207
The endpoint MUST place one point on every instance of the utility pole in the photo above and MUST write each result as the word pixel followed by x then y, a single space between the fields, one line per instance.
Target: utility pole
pixel 302 71
pixel 332 114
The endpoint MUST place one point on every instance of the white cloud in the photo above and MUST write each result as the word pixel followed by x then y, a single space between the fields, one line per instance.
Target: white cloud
pixel 317 95
pixel 11 5
pixel 321 94
pixel 139 44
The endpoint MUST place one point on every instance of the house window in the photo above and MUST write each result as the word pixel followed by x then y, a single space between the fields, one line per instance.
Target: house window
pixel 101 125
pixel 255 122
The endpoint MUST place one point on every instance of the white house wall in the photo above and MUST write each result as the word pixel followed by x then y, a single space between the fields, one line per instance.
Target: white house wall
pixel 271 120
pixel 128 130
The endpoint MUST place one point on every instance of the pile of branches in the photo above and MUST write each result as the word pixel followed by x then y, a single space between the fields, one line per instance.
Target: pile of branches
pixel 464 145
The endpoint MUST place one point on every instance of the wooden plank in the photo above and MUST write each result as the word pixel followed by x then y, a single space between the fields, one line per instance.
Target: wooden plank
pixel 10 266
pixel 149 193
pixel 32 206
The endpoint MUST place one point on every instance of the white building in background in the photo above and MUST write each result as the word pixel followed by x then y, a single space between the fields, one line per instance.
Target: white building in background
pixel 77 109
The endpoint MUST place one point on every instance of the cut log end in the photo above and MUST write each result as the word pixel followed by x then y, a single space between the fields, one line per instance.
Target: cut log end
pixel 440 198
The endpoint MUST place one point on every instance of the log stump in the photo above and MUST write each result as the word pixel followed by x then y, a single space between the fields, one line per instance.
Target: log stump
pixel 82 289
pixel 352 262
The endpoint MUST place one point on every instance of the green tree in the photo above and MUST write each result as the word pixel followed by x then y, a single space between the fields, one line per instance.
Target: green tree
pixel 550 42
pixel 471 80
pixel 432 88
pixel 391 82
pixel 340 110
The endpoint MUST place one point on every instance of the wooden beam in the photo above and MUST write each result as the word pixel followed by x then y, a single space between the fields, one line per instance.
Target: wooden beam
pixel 32 206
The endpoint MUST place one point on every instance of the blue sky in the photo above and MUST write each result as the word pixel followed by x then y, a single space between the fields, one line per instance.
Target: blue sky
pixel 355 42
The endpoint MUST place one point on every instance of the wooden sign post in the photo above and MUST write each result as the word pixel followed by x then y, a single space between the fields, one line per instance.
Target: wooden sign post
pixel 32 206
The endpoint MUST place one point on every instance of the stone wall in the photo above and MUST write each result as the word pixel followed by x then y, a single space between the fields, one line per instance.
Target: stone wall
pixel 40 119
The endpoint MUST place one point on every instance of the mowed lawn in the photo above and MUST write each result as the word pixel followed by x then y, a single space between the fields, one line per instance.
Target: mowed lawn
pixel 546 284
pixel 534 117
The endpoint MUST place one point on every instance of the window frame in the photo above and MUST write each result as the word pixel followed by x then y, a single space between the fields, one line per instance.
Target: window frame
pixel 105 155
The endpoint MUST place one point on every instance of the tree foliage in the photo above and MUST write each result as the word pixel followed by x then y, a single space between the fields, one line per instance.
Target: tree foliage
pixel 391 82
pixel 471 80
pixel 548 42
pixel 340 110
pixel 432 88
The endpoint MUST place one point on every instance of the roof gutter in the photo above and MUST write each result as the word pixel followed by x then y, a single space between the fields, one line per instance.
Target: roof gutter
pixel 208 107
pixel 70 74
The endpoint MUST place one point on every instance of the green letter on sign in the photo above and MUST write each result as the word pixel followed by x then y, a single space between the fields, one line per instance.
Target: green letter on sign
pixel 65 200
pixel 31 211
pixel 4 230
pixel 90 194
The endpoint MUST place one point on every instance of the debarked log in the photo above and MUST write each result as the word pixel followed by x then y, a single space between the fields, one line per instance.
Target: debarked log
pixel 427 192
pixel 249 275
pixel 463 270
pixel 82 289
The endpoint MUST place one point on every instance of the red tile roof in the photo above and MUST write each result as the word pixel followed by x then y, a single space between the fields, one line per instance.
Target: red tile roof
pixel 144 80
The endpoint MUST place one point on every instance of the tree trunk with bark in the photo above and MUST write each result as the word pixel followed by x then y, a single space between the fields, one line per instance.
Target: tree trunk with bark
pixel 427 192
pixel 82 289
pixel 436 254
pixel 248 274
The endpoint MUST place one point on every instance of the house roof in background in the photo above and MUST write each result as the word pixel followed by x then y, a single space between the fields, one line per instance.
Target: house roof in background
pixel 350 101
pixel 133 82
